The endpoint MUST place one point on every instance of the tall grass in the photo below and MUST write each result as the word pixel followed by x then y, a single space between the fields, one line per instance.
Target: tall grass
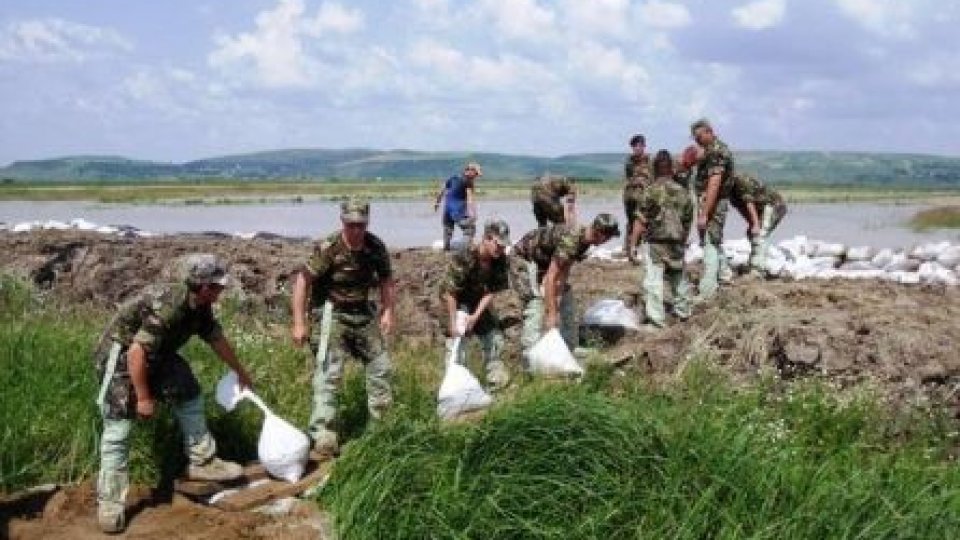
pixel 940 217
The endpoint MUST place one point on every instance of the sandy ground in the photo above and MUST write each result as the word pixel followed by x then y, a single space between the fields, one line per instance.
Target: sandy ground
pixel 900 341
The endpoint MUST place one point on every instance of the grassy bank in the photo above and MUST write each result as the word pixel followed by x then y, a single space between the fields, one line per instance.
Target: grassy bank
pixel 232 192
pixel 613 457
pixel 941 217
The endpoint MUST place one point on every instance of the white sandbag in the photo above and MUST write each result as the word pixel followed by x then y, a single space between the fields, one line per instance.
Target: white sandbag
pixel 827 249
pixel 83 225
pixel 600 252
pixel 825 273
pixel 933 272
pixel 26 226
pixel 775 267
pixel 901 263
pixel 826 262
pixel 949 257
pixel 929 252
pixel 739 258
pixel 867 273
pixel 860 253
pixel 907 278
pixel 460 391
pixel 795 247
pixel 858 266
pixel 946 276
pixel 283 449
pixel 882 258
pixel 53 224
pixel 550 356
pixel 693 254
pixel 228 392
pixel 737 245
pixel 611 312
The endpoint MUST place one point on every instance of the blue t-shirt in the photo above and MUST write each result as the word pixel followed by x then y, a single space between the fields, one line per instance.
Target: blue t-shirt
pixel 455 200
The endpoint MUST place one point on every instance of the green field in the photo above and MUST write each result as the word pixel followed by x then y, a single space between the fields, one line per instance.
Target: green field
pixel 940 217
pixel 236 192
pixel 612 457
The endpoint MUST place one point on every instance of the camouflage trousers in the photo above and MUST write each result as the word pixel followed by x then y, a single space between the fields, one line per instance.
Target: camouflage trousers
pixel 631 199
pixel 356 334
pixel 533 310
pixel 468 226
pixel 714 261
pixel 770 216
pixel 547 209
pixel 665 262
pixel 171 380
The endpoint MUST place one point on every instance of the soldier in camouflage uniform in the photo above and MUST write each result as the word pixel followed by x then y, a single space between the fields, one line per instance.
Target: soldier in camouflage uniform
pixel 138 363
pixel 471 279
pixel 763 209
pixel 547 196
pixel 540 265
pixel 664 213
pixel 637 174
pixel 338 276
pixel 712 182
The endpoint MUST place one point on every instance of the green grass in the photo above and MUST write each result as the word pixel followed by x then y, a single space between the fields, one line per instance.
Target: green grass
pixel 613 457
pixel 940 217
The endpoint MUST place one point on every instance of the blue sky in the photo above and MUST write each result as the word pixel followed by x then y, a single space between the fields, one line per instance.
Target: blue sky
pixel 177 80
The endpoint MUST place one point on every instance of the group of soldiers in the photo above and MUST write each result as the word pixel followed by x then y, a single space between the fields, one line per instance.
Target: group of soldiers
pixel 138 362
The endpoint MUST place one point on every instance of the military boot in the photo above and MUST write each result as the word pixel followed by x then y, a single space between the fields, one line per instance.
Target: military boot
pixel 498 378
pixel 215 470
pixel 325 445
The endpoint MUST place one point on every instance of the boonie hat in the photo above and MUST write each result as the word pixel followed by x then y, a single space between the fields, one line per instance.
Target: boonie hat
pixel 498 230
pixel 606 224
pixel 700 123
pixel 205 268
pixel 354 210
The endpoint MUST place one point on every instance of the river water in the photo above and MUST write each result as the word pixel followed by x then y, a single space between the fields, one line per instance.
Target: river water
pixel 413 222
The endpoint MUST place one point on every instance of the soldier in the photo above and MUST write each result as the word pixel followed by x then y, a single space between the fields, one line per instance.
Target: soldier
pixel 472 277
pixel 636 173
pixel 712 183
pixel 664 214
pixel 763 209
pixel 138 364
pixel 540 267
pixel 459 204
pixel 547 196
pixel 342 269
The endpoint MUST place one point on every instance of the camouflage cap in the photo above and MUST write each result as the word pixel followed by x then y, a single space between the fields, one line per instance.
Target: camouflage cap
pixel 474 166
pixel 355 210
pixel 204 268
pixel 498 230
pixel 607 224
pixel 700 123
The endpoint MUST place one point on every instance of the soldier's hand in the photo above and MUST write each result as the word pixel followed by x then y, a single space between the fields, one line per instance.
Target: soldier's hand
pixel 299 334
pixel 386 321
pixel 470 322
pixel 701 223
pixel 145 407
pixel 753 232
pixel 550 321
pixel 244 379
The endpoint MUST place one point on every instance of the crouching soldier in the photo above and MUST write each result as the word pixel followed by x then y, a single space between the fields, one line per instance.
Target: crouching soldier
pixel 548 194
pixel 345 266
pixel 540 268
pixel 471 279
pixel 664 215
pixel 139 364
pixel 763 209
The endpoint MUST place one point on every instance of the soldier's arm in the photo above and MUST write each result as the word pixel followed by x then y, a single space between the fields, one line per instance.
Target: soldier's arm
pixel 225 352
pixel 711 194
pixel 471 202
pixel 753 218
pixel 301 292
pixel 388 293
pixel 553 283
pixel 137 364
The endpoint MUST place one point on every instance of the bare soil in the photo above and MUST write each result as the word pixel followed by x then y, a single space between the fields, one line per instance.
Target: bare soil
pixel 900 341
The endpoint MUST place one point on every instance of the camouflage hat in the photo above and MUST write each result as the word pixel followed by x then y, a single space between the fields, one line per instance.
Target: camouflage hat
pixel 607 224
pixel 498 230
pixel 473 165
pixel 354 210
pixel 205 268
pixel 700 123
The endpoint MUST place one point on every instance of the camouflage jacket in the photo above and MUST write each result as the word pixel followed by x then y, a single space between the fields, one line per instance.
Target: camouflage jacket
pixel 344 275
pixel 666 209
pixel 637 170
pixel 552 187
pixel 468 281
pixel 162 319
pixel 561 242
pixel 747 188
pixel 717 159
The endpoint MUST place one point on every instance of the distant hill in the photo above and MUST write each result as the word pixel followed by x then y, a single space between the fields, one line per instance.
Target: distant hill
pixel 322 164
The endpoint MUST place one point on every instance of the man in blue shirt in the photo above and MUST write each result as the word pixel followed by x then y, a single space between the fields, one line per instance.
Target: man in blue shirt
pixel 459 204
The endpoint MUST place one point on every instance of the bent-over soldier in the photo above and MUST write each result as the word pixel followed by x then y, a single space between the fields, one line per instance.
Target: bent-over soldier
pixel 547 195
pixel 138 363
pixel 341 271
pixel 763 208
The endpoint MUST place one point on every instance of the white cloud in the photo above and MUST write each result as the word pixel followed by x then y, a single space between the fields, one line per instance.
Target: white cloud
pixel 760 14
pixel 892 18
pixel 279 47
pixel 57 40
pixel 605 63
pixel 520 19
pixel 598 17
pixel 665 15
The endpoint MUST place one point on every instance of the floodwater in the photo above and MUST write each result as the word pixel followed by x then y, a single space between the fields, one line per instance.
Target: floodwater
pixel 413 223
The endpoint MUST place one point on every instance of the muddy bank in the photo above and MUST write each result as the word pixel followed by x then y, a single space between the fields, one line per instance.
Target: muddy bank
pixel 900 338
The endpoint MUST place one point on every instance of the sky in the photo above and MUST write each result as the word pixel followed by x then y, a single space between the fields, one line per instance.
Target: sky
pixel 177 80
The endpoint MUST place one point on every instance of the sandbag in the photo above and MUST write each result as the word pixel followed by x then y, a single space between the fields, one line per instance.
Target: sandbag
pixel 693 254
pixel 228 391
pixel 283 449
pixel 929 252
pixel 460 391
pixel 738 245
pixel 882 258
pixel 550 356
pixel 794 248
pixel 901 263
pixel 611 312
pixel 858 266
pixel 949 257
pixel 860 253
pixel 827 249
